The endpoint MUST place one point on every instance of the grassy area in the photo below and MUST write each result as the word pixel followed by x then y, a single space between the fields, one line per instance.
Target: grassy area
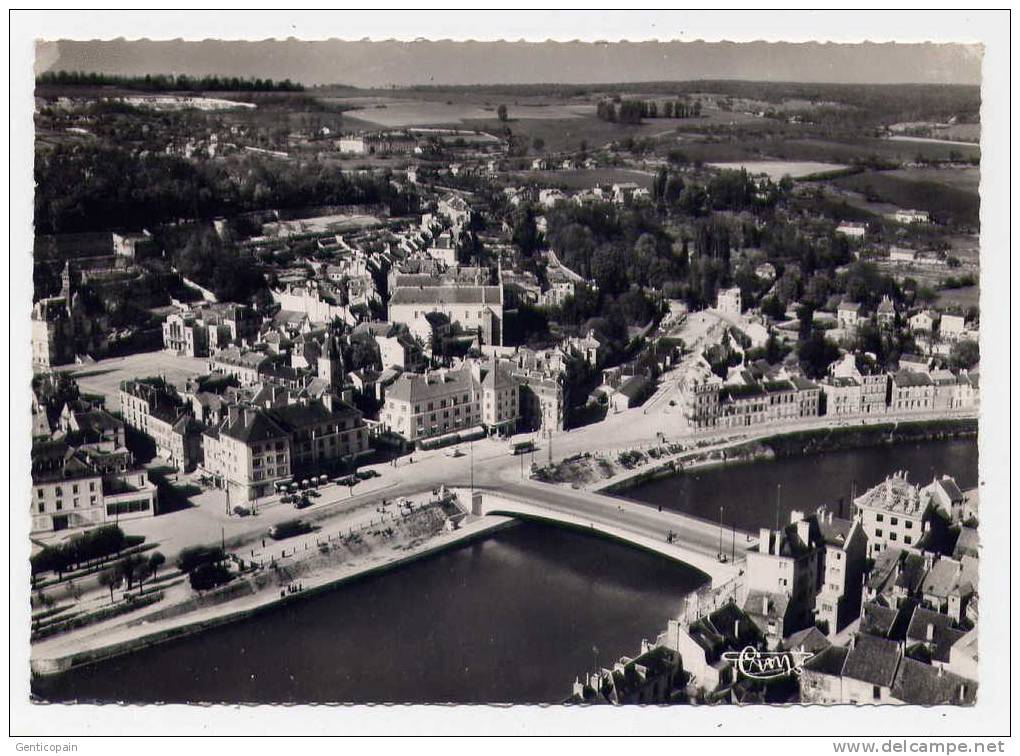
pixel 945 203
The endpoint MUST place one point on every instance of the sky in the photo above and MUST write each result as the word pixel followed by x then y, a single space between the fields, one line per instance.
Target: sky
pixel 424 62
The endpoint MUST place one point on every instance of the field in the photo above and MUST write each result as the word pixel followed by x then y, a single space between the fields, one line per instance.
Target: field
pixel 776 169
pixel 965 297
pixel 967 179
pixel 581 179
pixel 945 203
pixel 399 113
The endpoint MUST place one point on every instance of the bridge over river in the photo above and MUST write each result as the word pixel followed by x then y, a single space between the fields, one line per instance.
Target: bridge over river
pixel 695 542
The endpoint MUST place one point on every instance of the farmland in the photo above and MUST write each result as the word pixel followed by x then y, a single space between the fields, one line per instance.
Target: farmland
pixel 945 203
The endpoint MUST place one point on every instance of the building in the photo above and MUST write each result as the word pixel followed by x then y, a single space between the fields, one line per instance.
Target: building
pixel 500 396
pixel 910 216
pixel 650 678
pixel 911 391
pixel 783 572
pixel 699 396
pixel 885 313
pixel 473 308
pixel 952 328
pixel 842 396
pixel 844 564
pixel 440 402
pixel 246 454
pixel 848 316
pixel 922 322
pixel 852 230
pixel 153 407
pixel 66 326
pixel 542 399
pixel 70 491
pixel 895 514
pixel 205 330
pixel 246 366
pixel 455 209
pixel 729 301
pixel 399 349
pixel 323 434
pixel 703 642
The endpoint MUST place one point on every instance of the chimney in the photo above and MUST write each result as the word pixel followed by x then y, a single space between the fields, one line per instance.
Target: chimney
pixel 232 413
pixel 796 516
pixel 736 628
pixel 804 532
pixel 929 632
pixel 765 605
pixel 764 537
pixel 249 415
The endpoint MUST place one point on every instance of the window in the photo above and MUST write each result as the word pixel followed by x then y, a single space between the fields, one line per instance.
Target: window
pixel 60 504
pixel 879 518
pixel 878 534
pixel 908 524
pixel 894 521
pixel 40 493
pixel 42 507
pixel 74 488
pixel 892 536
pixel 876 693
pixel 907 540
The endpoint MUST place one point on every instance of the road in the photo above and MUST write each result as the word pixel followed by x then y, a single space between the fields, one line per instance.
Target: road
pixel 494 468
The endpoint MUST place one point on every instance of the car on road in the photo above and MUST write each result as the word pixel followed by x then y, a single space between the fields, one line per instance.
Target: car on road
pixel 289 529
pixel 300 502
pixel 366 474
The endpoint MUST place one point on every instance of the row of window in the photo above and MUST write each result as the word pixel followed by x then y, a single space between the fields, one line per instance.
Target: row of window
pixel 127 507
pixel 908 524
pixel 892 537
pixel 59 490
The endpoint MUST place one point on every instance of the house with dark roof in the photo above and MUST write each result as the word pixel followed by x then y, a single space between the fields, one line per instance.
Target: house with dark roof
pixel 650 678
pixel 870 670
pixel 931 636
pixel 844 563
pixel 703 642
pixel 926 685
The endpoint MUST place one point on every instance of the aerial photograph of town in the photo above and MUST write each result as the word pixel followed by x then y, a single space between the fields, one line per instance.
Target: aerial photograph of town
pixel 649 390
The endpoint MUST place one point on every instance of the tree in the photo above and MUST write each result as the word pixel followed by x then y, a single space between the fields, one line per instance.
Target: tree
pixel 141 573
pixel 111 578
pixel 816 353
pixel 501 113
pixel 538 144
pixel 128 567
pixel 156 560
pixel 193 556
pixel 965 354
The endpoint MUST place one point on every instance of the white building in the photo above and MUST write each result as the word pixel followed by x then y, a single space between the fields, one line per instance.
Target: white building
pixel 729 301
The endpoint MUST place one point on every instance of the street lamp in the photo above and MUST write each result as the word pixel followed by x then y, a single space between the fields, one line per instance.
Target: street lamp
pixel 720 555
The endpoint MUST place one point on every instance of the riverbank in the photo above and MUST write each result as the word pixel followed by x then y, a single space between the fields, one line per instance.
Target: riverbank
pixel 247 597
pixel 599 473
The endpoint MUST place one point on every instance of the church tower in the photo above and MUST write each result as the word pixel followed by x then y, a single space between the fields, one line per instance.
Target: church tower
pixel 330 365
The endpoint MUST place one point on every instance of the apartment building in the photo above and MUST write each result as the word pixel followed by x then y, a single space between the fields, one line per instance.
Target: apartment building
pixel 419 407
pixel 153 407
pixel 783 573
pixel 70 491
pixel 895 514
pixel 473 308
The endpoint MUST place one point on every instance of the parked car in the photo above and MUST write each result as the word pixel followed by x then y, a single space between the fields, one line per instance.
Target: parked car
pixel 300 502
pixel 366 474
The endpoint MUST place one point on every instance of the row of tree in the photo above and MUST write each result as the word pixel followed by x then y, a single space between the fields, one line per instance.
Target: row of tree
pixel 167 82
pixel 632 111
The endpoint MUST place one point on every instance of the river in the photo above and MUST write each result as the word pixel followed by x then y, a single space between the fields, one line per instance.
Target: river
pixel 749 493
pixel 512 618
